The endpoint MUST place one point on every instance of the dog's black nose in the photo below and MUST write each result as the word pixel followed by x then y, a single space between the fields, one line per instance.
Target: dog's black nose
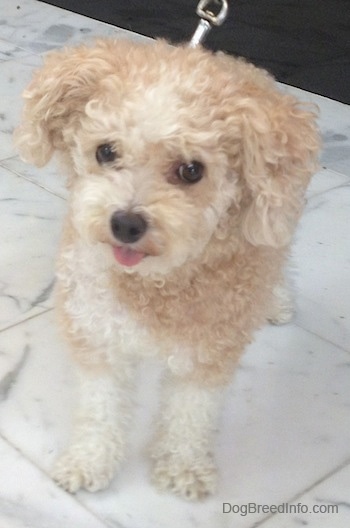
pixel 128 227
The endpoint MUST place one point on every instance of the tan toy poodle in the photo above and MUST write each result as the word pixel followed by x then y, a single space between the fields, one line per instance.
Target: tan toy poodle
pixel 187 172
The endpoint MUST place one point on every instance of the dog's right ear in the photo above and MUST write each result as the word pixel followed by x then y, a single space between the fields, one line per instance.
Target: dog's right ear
pixel 55 99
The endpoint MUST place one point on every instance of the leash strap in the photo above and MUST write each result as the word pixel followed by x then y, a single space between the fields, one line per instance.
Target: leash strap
pixel 208 18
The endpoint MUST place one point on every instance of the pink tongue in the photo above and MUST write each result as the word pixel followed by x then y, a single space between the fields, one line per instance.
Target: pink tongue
pixel 127 256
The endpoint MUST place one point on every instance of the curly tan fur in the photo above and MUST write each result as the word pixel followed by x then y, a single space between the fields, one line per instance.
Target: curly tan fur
pixel 213 253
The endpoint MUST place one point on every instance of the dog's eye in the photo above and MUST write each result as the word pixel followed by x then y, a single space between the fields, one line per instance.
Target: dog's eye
pixel 191 172
pixel 105 153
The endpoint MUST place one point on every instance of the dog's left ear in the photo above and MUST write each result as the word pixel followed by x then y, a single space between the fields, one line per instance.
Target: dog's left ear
pixel 277 158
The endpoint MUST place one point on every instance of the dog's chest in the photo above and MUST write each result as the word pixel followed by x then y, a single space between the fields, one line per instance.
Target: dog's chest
pixel 118 313
pixel 94 312
pixel 97 310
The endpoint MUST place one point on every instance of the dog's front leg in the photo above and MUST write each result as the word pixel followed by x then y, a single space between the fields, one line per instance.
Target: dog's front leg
pixel 183 449
pixel 98 441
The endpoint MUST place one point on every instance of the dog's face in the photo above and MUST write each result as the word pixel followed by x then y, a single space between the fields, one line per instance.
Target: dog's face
pixel 151 181
pixel 169 148
pixel 148 182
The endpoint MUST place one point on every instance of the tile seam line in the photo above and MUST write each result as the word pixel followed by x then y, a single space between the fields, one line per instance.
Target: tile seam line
pixel 329 169
pixel 331 473
pixel 42 472
pixel 339 347
pixel 331 189
pixel 29 180
pixel 8 158
pixel 18 46
pixel 13 325
pixel 324 168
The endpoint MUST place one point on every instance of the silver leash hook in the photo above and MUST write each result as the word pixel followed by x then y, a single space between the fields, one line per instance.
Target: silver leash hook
pixel 208 19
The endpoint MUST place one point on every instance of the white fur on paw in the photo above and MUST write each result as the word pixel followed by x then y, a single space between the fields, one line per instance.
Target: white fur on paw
pixel 282 309
pixel 75 470
pixel 284 316
pixel 192 481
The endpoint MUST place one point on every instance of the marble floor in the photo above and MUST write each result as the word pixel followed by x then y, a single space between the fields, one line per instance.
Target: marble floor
pixel 285 435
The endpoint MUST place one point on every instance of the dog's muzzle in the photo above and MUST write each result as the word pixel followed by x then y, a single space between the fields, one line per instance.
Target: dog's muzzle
pixel 128 227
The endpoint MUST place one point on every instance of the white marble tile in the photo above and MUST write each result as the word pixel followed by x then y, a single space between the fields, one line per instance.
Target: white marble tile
pixel 28 499
pixel 39 27
pixel 286 424
pixel 325 180
pixel 49 178
pixel 10 51
pixel 15 76
pixel 322 253
pixel 326 505
pixel 31 219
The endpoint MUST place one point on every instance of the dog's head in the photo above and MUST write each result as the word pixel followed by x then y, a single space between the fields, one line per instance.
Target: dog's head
pixel 170 148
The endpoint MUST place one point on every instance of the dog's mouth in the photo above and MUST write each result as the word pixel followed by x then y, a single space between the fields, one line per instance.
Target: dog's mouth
pixel 126 256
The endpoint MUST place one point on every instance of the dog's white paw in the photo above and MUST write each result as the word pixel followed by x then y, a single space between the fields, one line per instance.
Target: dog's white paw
pixel 283 316
pixel 78 468
pixel 282 309
pixel 192 481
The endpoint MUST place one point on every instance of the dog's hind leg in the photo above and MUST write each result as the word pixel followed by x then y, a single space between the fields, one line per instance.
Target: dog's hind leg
pixel 98 441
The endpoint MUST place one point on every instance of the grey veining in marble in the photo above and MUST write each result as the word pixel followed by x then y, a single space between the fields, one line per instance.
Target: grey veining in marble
pixel 28 247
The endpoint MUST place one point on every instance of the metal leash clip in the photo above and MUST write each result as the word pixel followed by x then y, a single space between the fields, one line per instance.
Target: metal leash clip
pixel 208 19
